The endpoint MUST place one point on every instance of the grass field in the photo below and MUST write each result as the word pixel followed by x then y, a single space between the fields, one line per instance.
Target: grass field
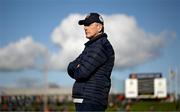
pixel 148 106
pixel 154 106
pixel 136 106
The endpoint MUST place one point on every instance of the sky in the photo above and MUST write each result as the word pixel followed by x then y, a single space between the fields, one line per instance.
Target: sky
pixel 38 34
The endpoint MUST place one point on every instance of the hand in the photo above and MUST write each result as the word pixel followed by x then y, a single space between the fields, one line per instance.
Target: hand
pixel 78 66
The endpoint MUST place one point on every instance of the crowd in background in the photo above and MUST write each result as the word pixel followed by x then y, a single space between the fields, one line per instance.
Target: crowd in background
pixel 32 103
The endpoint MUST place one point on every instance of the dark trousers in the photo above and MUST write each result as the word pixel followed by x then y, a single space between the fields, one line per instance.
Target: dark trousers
pixel 87 107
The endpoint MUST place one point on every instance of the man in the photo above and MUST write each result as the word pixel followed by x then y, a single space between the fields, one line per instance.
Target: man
pixel 92 68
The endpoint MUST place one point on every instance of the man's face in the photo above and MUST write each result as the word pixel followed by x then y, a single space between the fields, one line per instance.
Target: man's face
pixel 92 30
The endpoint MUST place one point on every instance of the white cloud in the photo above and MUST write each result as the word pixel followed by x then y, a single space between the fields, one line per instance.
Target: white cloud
pixel 69 36
pixel 21 54
pixel 132 45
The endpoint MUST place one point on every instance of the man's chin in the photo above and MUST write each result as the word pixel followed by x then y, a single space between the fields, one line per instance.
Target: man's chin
pixel 88 37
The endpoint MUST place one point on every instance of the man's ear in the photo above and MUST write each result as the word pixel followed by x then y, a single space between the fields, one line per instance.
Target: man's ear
pixel 100 27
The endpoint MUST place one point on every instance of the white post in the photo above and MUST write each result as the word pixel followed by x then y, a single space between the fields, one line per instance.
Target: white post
pixel 45 73
pixel 176 84
pixel 45 88
pixel 169 80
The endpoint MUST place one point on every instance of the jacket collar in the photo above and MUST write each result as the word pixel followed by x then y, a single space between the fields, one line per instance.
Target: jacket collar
pixel 95 39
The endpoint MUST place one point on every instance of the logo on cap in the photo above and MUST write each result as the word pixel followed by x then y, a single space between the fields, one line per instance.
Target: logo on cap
pixel 101 19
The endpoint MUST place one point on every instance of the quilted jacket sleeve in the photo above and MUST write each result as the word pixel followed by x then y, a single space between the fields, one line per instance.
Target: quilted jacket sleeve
pixel 72 66
pixel 89 62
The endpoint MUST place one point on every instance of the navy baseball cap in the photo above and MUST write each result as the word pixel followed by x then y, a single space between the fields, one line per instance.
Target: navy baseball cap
pixel 91 18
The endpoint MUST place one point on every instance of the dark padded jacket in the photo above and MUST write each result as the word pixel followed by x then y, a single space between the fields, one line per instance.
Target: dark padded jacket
pixel 93 73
